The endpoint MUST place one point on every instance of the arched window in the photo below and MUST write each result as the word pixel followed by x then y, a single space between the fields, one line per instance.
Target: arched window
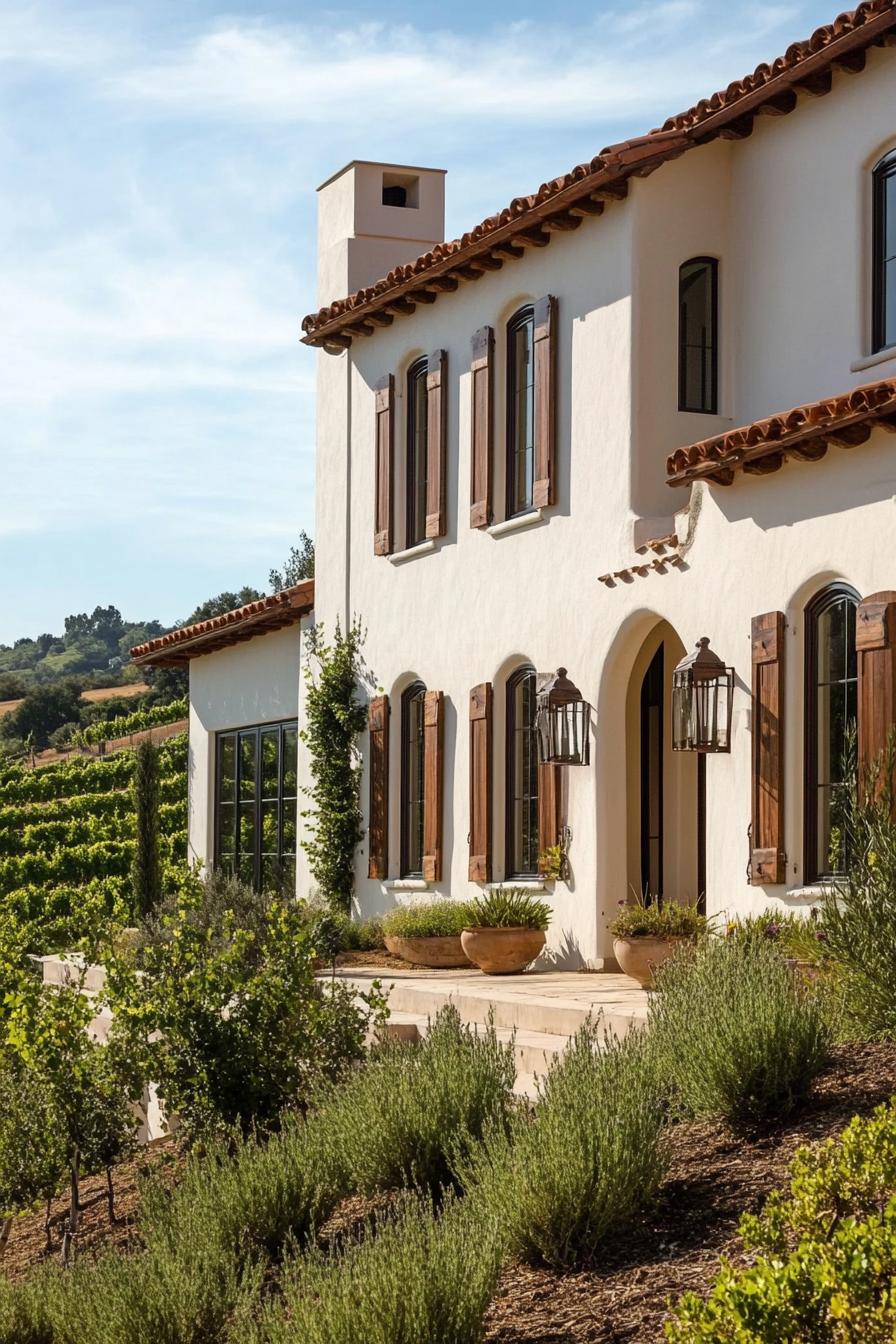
pixel 698 338
pixel 831 706
pixel 883 280
pixel 412 780
pixel 417 453
pixel 520 411
pixel 521 858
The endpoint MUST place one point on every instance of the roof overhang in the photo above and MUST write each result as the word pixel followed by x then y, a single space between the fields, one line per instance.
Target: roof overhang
pixel 561 205
pixel 803 434
pixel 178 647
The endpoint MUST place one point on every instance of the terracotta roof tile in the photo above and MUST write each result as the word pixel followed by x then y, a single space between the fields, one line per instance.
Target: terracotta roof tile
pixel 562 203
pixel 233 627
pixel 802 433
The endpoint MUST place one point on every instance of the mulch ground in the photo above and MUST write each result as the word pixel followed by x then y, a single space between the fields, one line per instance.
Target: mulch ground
pixel 714 1175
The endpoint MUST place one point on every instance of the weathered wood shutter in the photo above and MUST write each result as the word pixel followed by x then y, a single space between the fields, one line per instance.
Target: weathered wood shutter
pixel 378 848
pixel 545 408
pixel 767 858
pixel 385 419
pixel 481 422
pixel 433 769
pixel 550 803
pixel 876 659
pixel 436 442
pixel 481 783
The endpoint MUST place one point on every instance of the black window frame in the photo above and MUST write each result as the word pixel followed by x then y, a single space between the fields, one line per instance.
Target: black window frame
pixel 416 479
pixel 882 176
pixel 523 317
pixel 710 404
pixel 413 695
pixel 283 799
pixel 823 601
pixel 510 830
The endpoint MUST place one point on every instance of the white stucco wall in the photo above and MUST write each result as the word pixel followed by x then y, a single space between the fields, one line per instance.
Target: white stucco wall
pixel 250 683
pixel 787 213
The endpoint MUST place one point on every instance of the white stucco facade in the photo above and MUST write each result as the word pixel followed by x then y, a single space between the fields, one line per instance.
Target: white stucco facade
pixel 786 212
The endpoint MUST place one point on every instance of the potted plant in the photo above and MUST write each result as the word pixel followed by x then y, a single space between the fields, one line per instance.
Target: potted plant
pixel 550 863
pixel 427 933
pixel 644 936
pixel 505 931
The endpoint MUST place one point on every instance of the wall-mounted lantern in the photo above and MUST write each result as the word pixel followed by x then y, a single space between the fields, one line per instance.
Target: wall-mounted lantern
pixel 702 699
pixel 562 721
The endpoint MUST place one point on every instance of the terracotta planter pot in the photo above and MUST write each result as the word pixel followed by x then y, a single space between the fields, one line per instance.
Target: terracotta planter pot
pixel 502 951
pixel 440 953
pixel 639 957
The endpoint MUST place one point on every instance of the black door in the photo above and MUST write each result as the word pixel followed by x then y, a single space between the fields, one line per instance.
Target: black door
pixel 652 731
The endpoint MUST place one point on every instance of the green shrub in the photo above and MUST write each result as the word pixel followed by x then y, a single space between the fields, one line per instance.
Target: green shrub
pixel 419 1279
pixel 859 912
pixel 825 1252
pixel 736 1031
pixel 668 919
pixel 577 1172
pixel 420 1108
pixel 231 1021
pixel 428 919
pixel 509 907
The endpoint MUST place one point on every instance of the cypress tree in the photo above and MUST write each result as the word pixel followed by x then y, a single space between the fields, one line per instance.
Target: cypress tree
pixel 146 870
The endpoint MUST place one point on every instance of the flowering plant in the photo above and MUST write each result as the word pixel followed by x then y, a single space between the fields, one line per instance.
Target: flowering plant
pixel 667 919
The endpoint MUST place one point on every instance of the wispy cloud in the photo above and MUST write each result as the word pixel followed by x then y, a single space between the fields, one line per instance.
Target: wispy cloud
pixel 157 165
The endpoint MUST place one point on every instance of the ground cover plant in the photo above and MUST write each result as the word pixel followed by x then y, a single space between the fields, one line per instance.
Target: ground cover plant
pixel 825 1252
pixel 738 1035
pixel 577 1171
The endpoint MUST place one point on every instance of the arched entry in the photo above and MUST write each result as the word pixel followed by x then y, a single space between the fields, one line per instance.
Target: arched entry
pixel 665 790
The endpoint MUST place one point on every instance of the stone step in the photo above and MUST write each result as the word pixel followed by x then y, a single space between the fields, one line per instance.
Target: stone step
pixel 533 1050
pixel 516 1002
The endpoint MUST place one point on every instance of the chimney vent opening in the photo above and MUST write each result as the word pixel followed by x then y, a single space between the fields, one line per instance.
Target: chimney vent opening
pixel 400 192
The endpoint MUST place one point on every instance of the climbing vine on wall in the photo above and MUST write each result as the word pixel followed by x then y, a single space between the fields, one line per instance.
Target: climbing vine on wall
pixel 334 719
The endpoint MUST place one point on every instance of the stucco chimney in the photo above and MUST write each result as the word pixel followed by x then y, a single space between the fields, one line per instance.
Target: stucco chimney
pixel 371 217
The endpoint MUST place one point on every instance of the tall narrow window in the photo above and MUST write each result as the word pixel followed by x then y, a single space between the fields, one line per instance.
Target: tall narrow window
pixel 884 249
pixel 256 805
pixel 415 527
pixel 831 707
pixel 522 777
pixel 698 341
pixel 412 781
pixel 520 411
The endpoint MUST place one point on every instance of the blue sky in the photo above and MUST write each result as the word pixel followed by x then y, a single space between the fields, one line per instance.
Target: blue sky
pixel 157 171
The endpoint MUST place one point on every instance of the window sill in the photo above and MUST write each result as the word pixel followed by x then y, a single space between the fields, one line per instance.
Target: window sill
pixel 869 361
pixel 514 524
pixel 813 892
pixel 422 548
pixel 407 884
pixel 520 883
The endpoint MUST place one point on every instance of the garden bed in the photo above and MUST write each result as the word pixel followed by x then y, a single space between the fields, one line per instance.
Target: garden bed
pixel 715 1176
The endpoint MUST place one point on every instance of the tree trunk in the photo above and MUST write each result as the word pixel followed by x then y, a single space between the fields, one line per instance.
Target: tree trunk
pixel 111 1194
pixel 5 1229
pixel 68 1241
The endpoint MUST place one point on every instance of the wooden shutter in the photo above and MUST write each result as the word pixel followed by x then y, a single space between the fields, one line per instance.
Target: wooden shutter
pixel 481 421
pixel 385 419
pixel 876 659
pixel 433 768
pixel 545 409
pixel 550 820
pixel 481 783
pixel 378 849
pixel 768 859
pixel 436 442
